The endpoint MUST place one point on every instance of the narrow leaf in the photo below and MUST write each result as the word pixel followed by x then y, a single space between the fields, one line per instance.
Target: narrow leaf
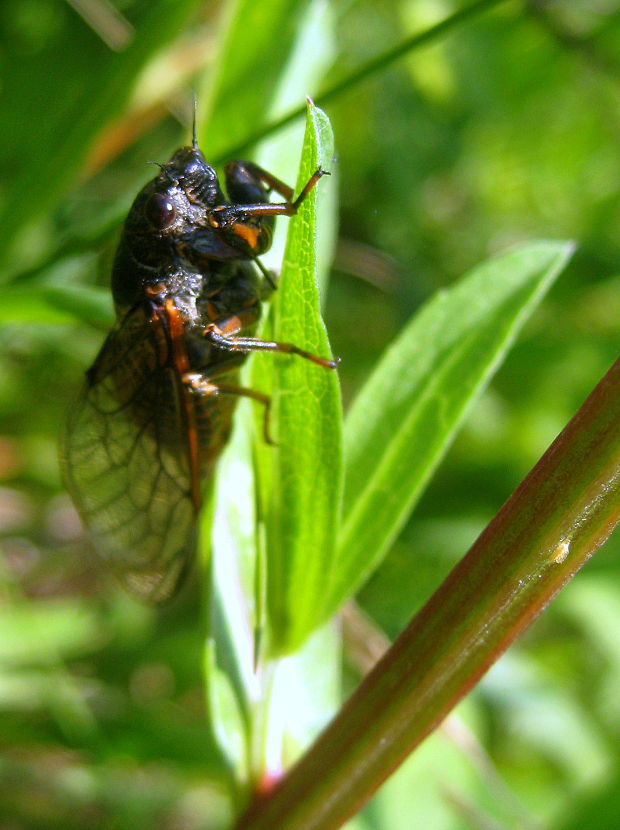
pixel 303 484
pixel 404 418
pixel 254 731
pixel 84 303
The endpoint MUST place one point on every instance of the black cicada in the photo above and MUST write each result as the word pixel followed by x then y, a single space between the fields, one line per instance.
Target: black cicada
pixel 157 405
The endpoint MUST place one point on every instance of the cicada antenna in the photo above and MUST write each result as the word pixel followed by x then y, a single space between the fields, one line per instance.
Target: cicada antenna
pixel 194 120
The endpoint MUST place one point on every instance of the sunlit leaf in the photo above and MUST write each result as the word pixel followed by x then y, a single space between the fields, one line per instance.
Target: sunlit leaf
pixel 302 504
pixel 405 417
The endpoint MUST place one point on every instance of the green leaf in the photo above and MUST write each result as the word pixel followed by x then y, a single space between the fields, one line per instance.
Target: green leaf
pixel 232 684
pixel 263 713
pixel 55 301
pixel 245 691
pixel 30 305
pixel 303 699
pixel 85 303
pixel 404 418
pixel 302 488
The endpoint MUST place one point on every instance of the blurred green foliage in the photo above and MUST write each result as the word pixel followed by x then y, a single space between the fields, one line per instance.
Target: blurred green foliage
pixel 504 131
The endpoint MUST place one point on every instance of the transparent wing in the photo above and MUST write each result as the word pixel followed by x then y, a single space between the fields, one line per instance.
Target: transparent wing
pixel 126 461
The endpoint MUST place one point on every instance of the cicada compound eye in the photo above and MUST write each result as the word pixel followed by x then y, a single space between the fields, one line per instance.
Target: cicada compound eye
pixel 160 211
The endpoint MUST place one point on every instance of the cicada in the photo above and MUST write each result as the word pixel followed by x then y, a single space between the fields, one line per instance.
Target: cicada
pixel 155 411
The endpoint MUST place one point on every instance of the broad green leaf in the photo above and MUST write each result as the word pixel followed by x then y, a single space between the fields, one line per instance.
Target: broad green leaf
pixel 252 729
pixel 404 418
pixel 301 475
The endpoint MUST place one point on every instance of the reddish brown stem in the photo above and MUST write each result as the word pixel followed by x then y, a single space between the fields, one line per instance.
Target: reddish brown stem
pixel 555 520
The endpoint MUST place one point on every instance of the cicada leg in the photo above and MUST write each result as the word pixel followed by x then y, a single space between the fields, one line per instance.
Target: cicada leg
pixel 245 183
pixel 247 223
pixel 222 334
pixel 205 386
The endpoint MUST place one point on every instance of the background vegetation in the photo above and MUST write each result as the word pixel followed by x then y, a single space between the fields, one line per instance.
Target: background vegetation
pixel 505 130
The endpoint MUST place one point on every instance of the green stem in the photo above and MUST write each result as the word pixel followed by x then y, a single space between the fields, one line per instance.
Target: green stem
pixel 356 77
pixel 555 520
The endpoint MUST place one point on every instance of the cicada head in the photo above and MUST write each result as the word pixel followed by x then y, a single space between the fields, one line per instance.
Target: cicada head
pixel 166 210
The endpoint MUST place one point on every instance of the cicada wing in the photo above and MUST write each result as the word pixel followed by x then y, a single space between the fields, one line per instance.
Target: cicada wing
pixel 127 467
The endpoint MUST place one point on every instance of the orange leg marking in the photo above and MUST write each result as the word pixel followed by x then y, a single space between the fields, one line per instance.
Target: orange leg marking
pixel 176 329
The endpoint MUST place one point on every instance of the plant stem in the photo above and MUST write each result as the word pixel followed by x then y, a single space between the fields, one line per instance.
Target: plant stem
pixel 564 509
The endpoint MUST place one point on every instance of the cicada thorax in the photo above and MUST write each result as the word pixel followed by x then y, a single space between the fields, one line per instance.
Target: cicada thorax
pixel 171 386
